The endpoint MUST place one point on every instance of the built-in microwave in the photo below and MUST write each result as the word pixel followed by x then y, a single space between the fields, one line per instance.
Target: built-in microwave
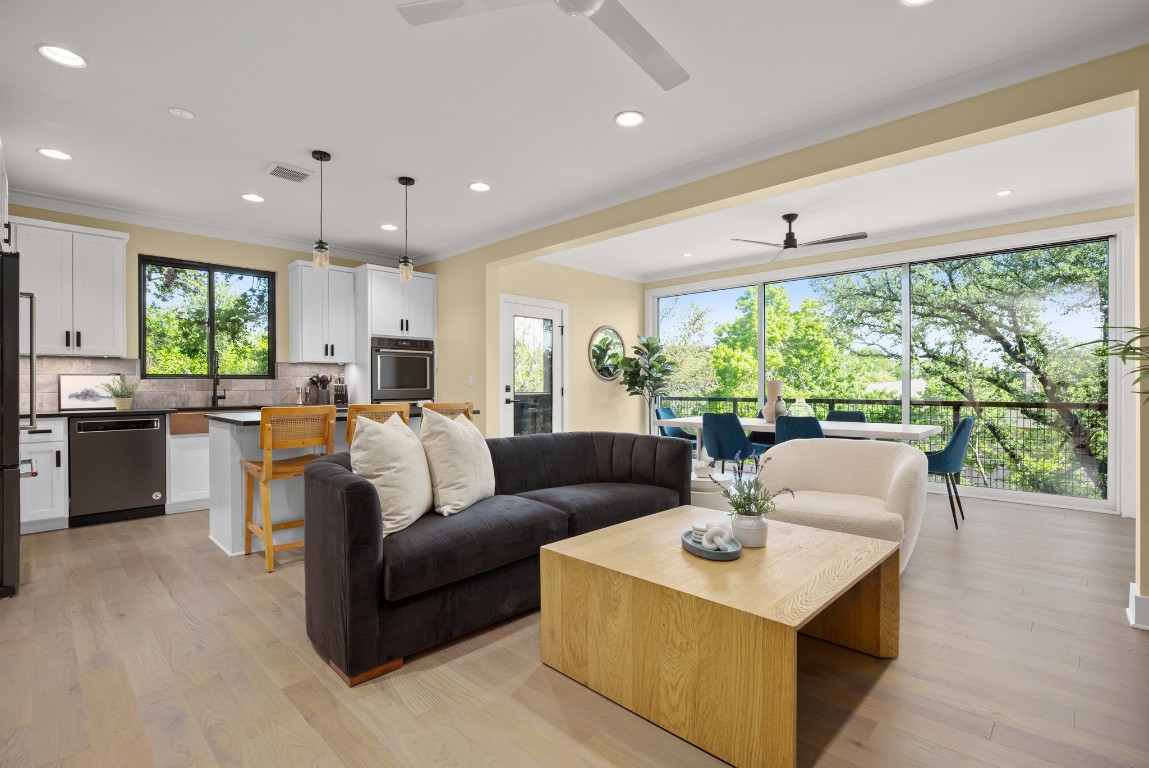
pixel 402 369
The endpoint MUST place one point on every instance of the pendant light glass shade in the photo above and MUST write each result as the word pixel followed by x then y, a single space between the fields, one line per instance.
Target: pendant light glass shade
pixel 320 254
pixel 406 264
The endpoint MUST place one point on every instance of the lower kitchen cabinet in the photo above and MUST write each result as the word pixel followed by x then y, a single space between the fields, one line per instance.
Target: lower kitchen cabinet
pixel 44 498
pixel 188 474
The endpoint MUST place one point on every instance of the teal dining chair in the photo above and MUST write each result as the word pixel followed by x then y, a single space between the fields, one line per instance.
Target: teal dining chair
pixel 725 440
pixel 948 463
pixel 668 413
pixel 796 428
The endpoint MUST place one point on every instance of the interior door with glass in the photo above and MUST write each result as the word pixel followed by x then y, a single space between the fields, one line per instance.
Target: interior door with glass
pixel 531 380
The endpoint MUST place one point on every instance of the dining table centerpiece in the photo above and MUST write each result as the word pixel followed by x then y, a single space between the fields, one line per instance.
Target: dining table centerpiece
pixel 750 503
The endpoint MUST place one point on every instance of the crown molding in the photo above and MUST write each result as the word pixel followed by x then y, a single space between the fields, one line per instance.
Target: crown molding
pixel 186 226
pixel 1079 49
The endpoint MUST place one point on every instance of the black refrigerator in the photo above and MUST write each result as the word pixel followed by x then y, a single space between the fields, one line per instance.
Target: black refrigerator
pixel 9 423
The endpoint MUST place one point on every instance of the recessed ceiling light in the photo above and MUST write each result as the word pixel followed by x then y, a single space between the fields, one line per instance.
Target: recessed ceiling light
pixel 630 118
pixel 388 227
pixel 479 186
pixel 687 255
pixel 181 113
pixel 1005 193
pixel 912 3
pixel 55 154
pixel 251 197
pixel 62 56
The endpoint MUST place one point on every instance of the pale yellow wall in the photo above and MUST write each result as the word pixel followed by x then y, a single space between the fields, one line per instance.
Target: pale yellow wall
pixel 471 280
pixel 593 300
pixel 178 245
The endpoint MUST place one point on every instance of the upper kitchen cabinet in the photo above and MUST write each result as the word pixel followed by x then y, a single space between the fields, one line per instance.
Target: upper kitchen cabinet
pixel 321 313
pixel 394 308
pixel 77 274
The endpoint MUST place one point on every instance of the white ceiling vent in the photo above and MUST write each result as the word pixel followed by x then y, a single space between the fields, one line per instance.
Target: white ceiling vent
pixel 289 172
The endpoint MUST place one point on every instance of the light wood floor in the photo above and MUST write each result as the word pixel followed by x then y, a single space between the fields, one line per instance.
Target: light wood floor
pixel 139 643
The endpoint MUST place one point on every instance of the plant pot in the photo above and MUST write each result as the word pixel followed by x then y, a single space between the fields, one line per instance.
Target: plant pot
pixel 750 530
pixel 123 403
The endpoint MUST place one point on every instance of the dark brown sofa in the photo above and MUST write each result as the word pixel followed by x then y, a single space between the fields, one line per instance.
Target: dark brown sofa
pixel 372 601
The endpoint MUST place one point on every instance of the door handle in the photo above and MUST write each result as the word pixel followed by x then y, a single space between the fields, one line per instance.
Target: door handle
pixel 325 346
pixel 67 338
pixel 509 401
pixel 333 350
pixel 78 344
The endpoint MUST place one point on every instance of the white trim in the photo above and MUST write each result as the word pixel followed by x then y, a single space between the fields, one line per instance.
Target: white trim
pixel 173 224
pixel 1049 500
pixel 563 309
pixel 1123 492
pixel 1138 610
pixel 225 550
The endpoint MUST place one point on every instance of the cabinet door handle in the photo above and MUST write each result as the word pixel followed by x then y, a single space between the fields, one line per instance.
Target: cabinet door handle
pixel 57 459
pixel 325 350
pixel 78 344
pixel 67 338
pixel 333 350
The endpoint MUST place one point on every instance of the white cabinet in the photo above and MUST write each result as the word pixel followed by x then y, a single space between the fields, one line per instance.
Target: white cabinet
pixel 44 498
pixel 321 311
pixel 395 308
pixel 188 474
pixel 78 277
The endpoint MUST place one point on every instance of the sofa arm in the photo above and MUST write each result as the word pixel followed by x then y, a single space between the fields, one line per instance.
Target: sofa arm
pixel 343 536
pixel 906 496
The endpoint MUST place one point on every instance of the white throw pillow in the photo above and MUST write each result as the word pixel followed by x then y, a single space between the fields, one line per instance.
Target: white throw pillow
pixel 460 463
pixel 390 456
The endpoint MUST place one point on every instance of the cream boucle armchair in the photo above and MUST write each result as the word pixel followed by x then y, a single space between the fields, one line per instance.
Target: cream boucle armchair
pixel 869 488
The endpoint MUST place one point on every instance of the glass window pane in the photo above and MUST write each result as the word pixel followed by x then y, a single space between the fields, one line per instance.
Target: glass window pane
pixel 533 375
pixel 176 317
pixel 997 337
pixel 837 342
pixel 713 338
pixel 241 323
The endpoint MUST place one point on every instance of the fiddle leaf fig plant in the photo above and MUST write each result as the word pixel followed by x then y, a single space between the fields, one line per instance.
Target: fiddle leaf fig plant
pixel 647 373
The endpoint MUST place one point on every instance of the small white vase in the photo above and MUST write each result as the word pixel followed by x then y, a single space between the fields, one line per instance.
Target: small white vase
pixel 750 530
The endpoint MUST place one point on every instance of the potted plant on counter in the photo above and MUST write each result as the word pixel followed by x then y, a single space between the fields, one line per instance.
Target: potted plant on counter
pixel 750 503
pixel 122 391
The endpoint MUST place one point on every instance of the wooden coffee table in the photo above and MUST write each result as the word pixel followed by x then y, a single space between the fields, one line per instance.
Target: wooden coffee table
pixel 706 649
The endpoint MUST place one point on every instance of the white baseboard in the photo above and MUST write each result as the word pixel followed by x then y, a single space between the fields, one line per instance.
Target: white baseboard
pixel 226 551
pixel 48 524
pixel 185 506
pixel 1138 610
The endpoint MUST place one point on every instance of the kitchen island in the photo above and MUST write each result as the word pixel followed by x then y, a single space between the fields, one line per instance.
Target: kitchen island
pixel 234 436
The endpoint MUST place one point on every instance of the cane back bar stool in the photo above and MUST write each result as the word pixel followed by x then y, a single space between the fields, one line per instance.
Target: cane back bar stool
pixel 376 412
pixel 279 428
pixel 451 410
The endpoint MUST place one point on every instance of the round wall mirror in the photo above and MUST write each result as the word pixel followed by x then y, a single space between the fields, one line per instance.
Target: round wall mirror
pixel 605 351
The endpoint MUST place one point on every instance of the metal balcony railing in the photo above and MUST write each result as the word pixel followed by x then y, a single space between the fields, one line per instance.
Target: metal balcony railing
pixel 1041 447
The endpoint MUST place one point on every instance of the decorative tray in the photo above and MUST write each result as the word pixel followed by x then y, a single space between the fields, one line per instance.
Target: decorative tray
pixel 710 554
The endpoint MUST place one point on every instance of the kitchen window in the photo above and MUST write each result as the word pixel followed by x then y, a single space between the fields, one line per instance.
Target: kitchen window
pixel 202 320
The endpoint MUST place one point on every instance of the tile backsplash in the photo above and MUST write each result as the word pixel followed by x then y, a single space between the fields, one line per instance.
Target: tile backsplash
pixel 168 393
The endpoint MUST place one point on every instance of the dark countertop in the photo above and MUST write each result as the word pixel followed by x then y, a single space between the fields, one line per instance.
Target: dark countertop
pixel 250 417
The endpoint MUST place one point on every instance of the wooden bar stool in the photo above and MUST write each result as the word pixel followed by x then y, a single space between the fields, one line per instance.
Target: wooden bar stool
pixel 451 410
pixel 294 427
pixel 376 412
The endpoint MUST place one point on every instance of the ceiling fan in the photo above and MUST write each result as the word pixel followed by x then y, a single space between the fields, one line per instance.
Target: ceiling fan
pixel 608 15
pixel 791 240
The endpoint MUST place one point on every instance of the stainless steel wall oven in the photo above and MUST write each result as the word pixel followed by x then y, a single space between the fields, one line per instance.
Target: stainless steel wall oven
pixel 402 369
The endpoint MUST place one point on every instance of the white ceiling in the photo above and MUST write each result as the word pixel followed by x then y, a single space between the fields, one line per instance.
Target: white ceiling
pixel 1075 166
pixel 521 98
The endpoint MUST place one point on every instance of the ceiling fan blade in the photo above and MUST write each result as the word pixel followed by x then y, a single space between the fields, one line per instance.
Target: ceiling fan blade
pixel 617 23
pixel 756 242
pixel 838 239
pixel 428 11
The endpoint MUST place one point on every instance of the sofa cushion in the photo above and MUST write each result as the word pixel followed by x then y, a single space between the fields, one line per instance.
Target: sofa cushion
pixel 460 464
pixel 843 512
pixel 437 550
pixel 390 456
pixel 596 505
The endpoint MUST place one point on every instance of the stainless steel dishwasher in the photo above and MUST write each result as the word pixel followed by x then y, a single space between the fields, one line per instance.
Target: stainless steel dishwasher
pixel 118 468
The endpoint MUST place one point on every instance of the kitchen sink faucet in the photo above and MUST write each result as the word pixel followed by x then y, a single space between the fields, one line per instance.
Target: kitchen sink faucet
pixel 215 395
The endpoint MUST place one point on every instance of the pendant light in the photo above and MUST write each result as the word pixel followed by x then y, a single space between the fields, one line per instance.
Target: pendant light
pixel 320 255
pixel 406 265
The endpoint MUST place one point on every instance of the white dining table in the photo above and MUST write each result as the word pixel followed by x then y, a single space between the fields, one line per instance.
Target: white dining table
pixel 873 430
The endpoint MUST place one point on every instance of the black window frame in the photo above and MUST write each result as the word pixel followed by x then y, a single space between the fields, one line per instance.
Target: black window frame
pixel 146 259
